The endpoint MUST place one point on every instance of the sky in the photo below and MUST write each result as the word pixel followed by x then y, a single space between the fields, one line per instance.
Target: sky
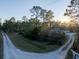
pixel 19 8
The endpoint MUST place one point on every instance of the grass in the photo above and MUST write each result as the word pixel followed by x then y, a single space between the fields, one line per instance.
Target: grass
pixel 32 46
pixel 29 45
pixel 1 47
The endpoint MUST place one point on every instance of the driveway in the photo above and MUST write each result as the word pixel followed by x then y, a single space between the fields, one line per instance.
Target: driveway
pixel 11 52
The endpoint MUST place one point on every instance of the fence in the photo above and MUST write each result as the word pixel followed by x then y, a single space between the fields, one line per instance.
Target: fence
pixel 75 55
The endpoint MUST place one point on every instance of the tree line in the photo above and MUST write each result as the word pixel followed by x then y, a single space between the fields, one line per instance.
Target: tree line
pixel 34 28
pixel 41 20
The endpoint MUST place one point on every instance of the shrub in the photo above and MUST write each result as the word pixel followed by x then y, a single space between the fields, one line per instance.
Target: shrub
pixel 31 34
pixel 76 43
pixel 52 37
pixel 34 33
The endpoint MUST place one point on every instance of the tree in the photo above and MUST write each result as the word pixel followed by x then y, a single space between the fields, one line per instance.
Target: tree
pixel 0 19
pixel 24 18
pixel 43 14
pixel 0 23
pixel 12 19
pixel 9 25
pixel 36 11
pixel 34 22
pixel 48 17
pixel 74 2
pixel 73 12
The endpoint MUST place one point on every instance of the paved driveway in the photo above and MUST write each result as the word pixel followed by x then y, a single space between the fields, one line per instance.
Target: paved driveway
pixel 11 52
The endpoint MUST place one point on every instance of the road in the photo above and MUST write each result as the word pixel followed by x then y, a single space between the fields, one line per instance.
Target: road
pixel 11 52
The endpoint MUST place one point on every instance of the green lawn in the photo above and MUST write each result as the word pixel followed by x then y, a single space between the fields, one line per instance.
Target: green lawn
pixel 32 46
pixel 1 47
pixel 29 45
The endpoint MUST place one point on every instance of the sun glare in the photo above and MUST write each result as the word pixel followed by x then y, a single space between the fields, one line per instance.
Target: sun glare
pixel 65 19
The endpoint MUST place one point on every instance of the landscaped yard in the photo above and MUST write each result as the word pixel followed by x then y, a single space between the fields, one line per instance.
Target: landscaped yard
pixel 1 47
pixel 32 46
pixel 29 45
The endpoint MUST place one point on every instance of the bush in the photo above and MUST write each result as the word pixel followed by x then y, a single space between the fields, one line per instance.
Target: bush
pixel 35 32
pixel 52 37
pixel 31 34
pixel 76 43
